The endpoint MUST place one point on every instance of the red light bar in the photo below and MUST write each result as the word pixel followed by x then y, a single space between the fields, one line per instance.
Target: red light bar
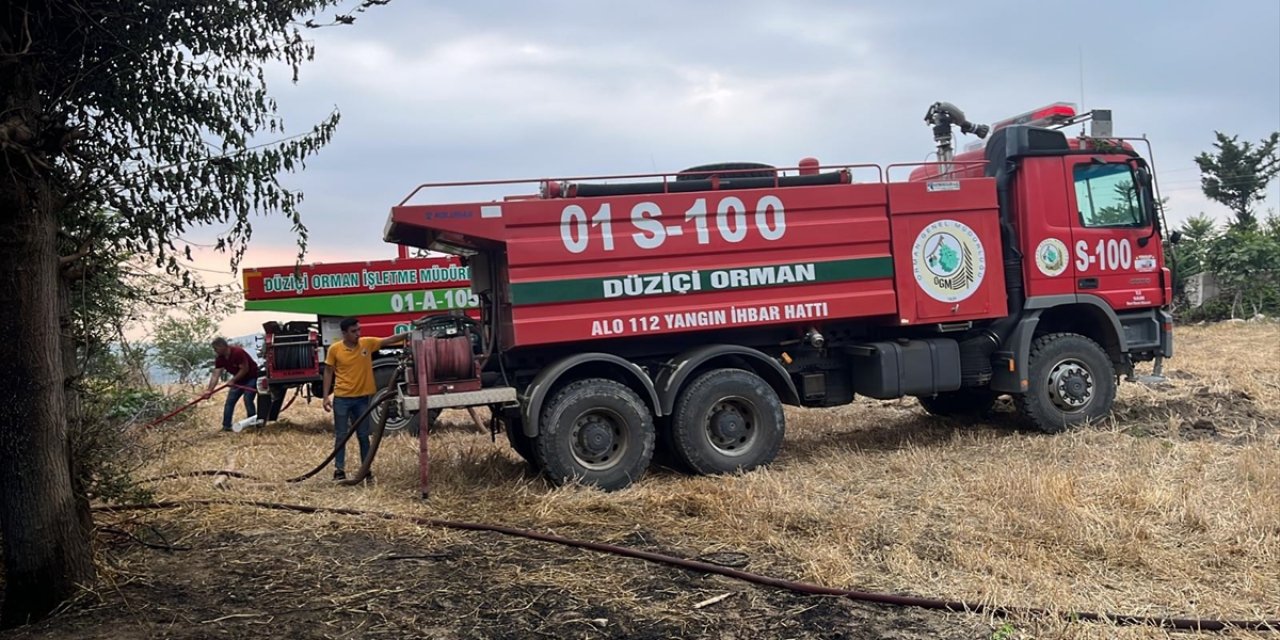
pixel 1055 113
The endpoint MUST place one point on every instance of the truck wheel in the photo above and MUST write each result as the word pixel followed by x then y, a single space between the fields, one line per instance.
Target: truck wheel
pixel 1072 382
pixel 962 403
pixel 727 420
pixel 706 171
pixel 596 431
pixel 397 419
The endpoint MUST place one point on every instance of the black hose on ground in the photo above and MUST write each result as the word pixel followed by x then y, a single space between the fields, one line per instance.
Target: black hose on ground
pixel 382 396
pixel 375 440
pixel 375 434
pixel 1188 624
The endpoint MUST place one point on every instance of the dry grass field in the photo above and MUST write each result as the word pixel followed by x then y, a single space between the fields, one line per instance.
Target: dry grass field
pixel 1170 508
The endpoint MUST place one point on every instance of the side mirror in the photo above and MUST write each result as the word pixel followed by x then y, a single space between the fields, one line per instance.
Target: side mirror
pixel 1175 237
pixel 1144 178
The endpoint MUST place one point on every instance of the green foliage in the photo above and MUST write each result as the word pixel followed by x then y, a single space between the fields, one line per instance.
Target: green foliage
pixel 1190 255
pixel 124 125
pixel 1245 261
pixel 1006 632
pixel 1237 174
pixel 104 436
pixel 181 345
pixel 137 121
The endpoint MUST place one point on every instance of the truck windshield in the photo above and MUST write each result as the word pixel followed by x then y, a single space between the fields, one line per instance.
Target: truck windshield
pixel 1106 196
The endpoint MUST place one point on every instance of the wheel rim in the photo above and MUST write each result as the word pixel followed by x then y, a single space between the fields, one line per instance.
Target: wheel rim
pixel 396 415
pixel 599 439
pixel 730 426
pixel 1071 385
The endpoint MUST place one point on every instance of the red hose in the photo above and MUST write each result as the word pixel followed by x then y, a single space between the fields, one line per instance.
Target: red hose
pixel 185 407
pixel 1190 624
pixel 198 401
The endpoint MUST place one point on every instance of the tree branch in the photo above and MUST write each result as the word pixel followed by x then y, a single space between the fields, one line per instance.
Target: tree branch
pixel 84 250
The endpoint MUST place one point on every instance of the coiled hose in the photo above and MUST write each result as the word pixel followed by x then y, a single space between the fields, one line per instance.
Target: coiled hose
pixel 289 357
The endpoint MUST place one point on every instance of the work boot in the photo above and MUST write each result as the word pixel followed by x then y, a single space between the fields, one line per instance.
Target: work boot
pixel 339 475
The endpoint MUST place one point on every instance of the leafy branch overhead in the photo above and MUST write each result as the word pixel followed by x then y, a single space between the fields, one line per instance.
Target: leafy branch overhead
pixel 346 18
pixel 158 113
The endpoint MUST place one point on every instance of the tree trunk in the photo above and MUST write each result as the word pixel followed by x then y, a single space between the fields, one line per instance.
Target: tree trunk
pixel 46 547
pixel 71 374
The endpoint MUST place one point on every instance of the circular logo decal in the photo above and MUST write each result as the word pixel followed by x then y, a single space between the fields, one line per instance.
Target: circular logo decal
pixel 1051 257
pixel 948 260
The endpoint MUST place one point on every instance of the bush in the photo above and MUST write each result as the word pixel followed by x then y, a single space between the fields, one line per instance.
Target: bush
pixel 1243 261
pixel 105 437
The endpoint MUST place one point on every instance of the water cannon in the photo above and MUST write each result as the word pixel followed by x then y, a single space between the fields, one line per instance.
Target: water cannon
pixel 943 115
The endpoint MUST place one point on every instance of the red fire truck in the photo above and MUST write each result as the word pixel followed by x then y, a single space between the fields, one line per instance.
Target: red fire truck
pixel 620 314
pixel 386 295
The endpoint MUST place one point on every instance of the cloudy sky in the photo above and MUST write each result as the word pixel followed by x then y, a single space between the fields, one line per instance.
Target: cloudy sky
pixel 486 90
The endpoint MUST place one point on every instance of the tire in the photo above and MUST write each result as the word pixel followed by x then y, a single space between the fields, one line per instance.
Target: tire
pixel 965 403
pixel 727 420
pixel 1072 382
pixel 706 171
pixel 382 370
pixel 595 431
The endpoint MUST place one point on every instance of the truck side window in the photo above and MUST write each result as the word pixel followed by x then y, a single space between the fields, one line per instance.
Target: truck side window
pixel 1106 196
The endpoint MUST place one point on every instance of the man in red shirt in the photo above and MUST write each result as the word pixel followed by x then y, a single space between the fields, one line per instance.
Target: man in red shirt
pixel 244 379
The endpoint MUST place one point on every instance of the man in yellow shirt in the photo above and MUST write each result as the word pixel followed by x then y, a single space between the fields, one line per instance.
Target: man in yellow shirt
pixel 350 364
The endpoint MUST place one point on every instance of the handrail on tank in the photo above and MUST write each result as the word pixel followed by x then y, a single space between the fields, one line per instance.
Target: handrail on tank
pixel 665 176
pixel 953 164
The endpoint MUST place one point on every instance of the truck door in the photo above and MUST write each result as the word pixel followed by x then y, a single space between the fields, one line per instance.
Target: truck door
pixel 1115 251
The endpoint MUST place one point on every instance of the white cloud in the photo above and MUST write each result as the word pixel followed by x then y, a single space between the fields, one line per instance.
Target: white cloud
pixel 494 90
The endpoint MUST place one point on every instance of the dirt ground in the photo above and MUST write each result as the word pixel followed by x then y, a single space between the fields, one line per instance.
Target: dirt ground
pixel 324 580
pixel 1167 509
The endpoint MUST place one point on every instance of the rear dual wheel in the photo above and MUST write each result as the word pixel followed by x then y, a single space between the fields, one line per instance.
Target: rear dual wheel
pixel 726 420
pixel 595 431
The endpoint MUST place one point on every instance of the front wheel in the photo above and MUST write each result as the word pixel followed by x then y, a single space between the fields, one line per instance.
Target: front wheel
pixel 727 420
pixel 1072 382
pixel 596 431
